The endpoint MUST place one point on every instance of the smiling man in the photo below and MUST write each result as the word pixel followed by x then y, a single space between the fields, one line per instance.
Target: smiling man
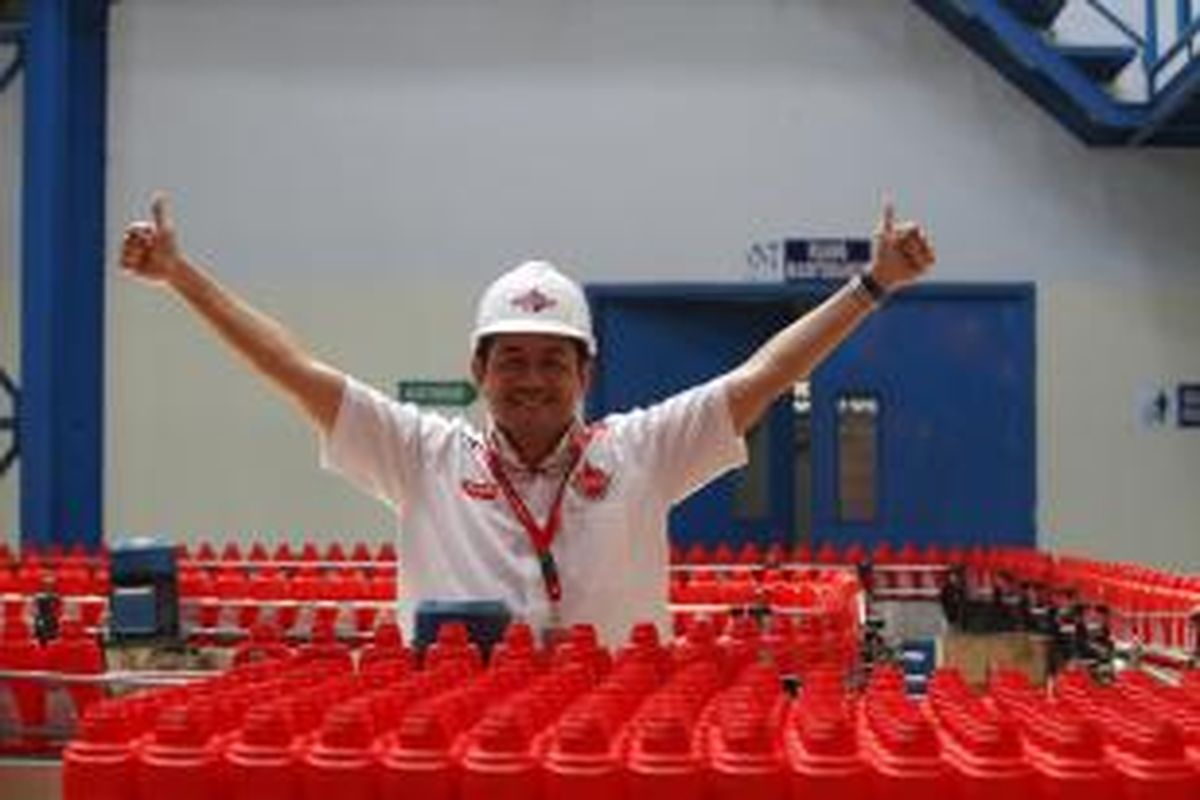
pixel 561 520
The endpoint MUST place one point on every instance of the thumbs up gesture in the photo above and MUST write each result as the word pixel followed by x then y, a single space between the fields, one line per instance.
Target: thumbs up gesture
pixel 149 250
pixel 902 252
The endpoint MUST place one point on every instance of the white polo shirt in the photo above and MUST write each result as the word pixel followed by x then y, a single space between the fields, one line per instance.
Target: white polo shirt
pixel 459 538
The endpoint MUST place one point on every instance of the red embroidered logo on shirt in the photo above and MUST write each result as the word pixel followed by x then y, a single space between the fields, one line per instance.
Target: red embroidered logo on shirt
pixel 480 490
pixel 534 301
pixel 591 481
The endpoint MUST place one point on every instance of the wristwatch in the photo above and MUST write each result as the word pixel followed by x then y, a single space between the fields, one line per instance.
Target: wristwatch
pixel 873 288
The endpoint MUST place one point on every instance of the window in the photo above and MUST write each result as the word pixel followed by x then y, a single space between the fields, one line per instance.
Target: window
pixel 751 491
pixel 858 457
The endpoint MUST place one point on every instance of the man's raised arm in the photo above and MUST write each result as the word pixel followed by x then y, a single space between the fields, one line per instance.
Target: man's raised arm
pixel 150 251
pixel 902 253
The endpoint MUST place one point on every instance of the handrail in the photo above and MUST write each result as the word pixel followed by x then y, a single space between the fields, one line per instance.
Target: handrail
pixel 12 31
pixel 1154 60
pixel 1184 39
pixel 1118 23
pixel 9 74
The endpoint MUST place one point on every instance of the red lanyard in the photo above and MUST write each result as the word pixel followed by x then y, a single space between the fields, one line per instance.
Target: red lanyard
pixel 540 536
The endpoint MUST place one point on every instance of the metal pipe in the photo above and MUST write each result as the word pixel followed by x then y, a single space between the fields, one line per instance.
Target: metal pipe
pixel 1150 49
pixel 117 678
pixel 1117 22
pixel 1185 39
pixel 8 76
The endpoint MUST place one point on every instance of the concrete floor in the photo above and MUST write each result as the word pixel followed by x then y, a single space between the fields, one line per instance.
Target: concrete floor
pixel 28 779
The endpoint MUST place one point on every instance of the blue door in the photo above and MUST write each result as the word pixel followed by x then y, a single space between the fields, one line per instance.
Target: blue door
pixel 920 427
pixel 934 397
pixel 655 342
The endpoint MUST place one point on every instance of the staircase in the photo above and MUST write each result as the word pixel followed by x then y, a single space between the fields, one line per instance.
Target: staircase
pixel 1086 85
pixel 12 32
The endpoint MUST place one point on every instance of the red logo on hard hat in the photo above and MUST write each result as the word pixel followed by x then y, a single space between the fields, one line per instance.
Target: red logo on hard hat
pixel 533 301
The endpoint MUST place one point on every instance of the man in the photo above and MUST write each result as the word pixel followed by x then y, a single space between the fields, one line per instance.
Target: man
pixel 563 522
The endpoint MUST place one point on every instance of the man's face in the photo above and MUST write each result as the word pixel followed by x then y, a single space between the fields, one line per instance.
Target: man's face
pixel 533 383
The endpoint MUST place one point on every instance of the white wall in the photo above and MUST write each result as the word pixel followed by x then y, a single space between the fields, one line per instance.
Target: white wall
pixel 362 168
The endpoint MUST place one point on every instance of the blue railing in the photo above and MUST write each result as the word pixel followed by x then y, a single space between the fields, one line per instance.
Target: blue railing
pixel 12 33
pixel 1154 57
pixel 1187 27
pixel 1121 25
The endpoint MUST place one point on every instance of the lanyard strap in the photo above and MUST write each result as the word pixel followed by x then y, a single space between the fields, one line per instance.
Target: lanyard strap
pixel 540 536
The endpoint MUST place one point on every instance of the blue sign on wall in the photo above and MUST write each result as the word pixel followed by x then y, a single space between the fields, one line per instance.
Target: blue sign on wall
pixel 799 259
pixel 1188 405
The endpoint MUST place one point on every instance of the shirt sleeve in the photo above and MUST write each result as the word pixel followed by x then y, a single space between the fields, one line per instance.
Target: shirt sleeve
pixel 687 440
pixel 377 443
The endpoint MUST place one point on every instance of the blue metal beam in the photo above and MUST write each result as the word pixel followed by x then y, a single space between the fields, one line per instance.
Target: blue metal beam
pixel 62 312
pixel 1029 48
pixel 10 72
pixel 1173 98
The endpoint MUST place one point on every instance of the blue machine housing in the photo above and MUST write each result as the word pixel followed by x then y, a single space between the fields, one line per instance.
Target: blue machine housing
pixel 144 600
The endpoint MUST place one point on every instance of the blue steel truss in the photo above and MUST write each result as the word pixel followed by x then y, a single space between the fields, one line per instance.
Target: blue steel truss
pixel 1072 82
pixel 12 34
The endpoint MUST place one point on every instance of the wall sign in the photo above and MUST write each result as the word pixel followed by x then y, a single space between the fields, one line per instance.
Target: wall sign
pixel 1187 405
pixel 445 394
pixel 787 260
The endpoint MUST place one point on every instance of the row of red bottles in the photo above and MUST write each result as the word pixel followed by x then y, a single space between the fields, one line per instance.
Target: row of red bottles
pixel 29 704
pixel 285 553
pixel 701 719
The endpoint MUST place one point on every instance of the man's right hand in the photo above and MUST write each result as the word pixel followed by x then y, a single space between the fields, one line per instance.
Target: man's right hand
pixel 149 250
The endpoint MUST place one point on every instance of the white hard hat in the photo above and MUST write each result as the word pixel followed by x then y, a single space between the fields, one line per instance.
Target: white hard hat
pixel 534 298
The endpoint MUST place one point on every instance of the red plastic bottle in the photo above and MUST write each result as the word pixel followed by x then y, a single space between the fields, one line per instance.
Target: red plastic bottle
pixel 906 765
pixel 580 763
pixel 517 647
pixel 582 647
pixel 206 553
pixel 264 644
pixel 309 553
pixel 823 757
pixel 283 554
pixel 644 646
pixel 262 762
pixel 498 765
pixel 453 644
pixel 416 761
pixel 741 644
pixel 744 763
pixel 1068 760
pixel 19 651
pixel 661 764
pixel 180 761
pixel 325 648
pixel 100 762
pixel 387 646
pixel 988 764
pixel 700 645
pixel 1155 767
pixel 342 763
pixel 77 653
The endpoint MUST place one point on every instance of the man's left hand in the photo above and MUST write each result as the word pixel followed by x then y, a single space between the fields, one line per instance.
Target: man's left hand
pixel 902 251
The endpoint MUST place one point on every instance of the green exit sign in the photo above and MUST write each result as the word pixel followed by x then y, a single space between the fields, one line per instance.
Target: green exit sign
pixel 452 394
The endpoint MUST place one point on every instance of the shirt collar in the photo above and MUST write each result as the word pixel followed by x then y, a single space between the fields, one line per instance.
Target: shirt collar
pixel 557 460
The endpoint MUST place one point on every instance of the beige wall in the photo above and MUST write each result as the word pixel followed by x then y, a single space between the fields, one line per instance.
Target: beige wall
pixel 1111 483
